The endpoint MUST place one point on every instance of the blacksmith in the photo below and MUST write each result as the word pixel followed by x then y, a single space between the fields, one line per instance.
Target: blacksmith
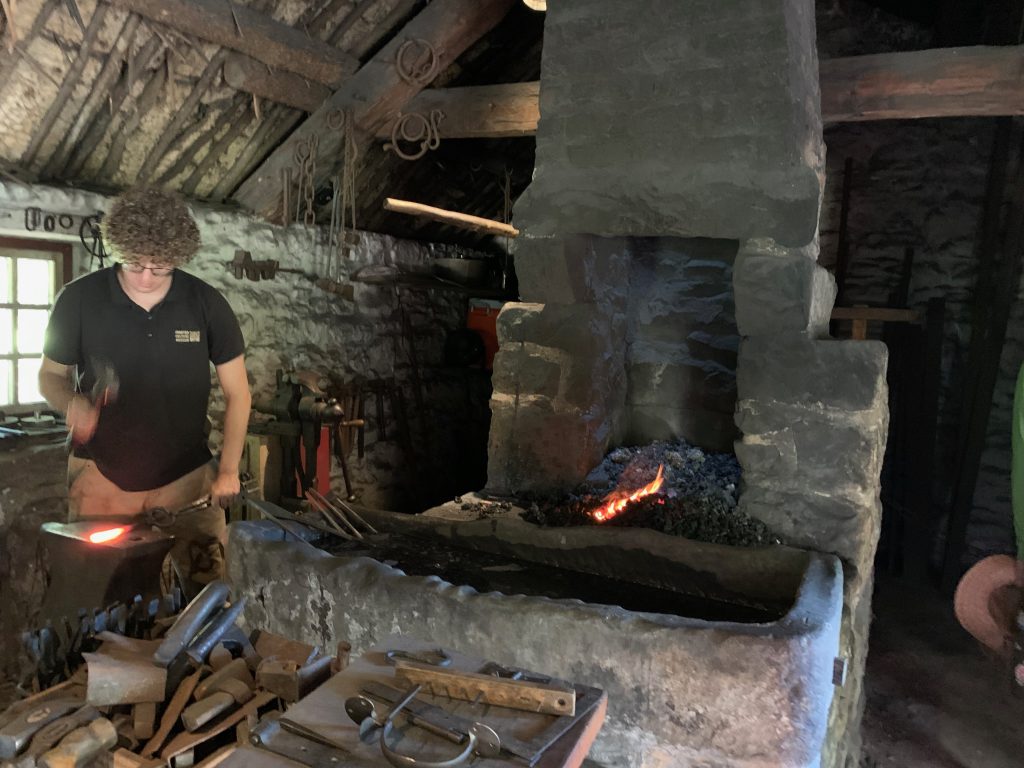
pixel 158 329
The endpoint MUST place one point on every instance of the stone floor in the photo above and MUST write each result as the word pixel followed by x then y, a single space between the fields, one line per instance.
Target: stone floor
pixel 934 699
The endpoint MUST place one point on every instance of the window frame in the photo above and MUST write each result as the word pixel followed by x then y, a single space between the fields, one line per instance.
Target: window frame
pixel 64 260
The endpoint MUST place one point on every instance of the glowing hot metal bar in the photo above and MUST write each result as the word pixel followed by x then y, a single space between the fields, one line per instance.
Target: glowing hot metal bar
pixel 109 534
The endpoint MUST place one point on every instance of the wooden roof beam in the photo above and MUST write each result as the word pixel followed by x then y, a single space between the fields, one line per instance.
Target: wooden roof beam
pixel 250 32
pixel 374 95
pixel 479 112
pixel 942 82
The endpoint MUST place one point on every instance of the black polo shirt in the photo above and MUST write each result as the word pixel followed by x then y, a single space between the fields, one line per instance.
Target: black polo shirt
pixel 155 432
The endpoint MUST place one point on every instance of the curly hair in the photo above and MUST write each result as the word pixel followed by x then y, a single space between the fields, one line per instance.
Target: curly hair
pixel 149 223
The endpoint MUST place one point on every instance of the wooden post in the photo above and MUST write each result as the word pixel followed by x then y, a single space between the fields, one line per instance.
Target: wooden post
pixel 920 526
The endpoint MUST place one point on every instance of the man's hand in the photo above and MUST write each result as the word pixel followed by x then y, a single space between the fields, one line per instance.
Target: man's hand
pixel 225 489
pixel 1019 573
pixel 82 418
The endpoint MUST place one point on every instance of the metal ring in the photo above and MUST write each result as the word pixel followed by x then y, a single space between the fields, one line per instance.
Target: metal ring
pixel 336 119
pixel 413 71
pixel 477 738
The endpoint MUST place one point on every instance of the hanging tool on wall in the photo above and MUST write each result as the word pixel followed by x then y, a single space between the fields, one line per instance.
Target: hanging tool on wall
pixel 244 266
pixel 92 238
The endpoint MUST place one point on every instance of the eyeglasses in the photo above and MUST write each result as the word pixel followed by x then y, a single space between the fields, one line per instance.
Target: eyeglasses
pixel 138 269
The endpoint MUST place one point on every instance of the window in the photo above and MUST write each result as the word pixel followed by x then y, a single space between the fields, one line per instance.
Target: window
pixel 30 275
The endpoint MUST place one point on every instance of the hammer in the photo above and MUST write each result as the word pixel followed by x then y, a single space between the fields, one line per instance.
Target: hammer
pixel 104 391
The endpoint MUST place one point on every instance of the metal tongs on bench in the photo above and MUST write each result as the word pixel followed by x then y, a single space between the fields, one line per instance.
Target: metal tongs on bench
pixel 340 515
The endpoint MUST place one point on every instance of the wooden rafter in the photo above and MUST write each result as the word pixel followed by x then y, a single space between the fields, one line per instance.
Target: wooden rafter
pixel 374 94
pixel 181 118
pixel 97 98
pixel 255 34
pixel 66 88
pixel 110 113
pixel 943 82
pixel 482 111
pixel 245 74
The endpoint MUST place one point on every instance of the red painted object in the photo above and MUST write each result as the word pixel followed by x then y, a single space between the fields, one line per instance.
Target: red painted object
pixel 482 318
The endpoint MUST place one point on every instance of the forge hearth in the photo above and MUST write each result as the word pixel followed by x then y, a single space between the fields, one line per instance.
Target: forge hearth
pixel 730 665
pixel 669 486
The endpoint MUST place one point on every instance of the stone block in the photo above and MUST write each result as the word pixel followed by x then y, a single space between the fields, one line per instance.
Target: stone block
pixel 534 446
pixel 780 290
pixel 843 375
pixel 585 330
pixel 572 269
pixel 693 384
pixel 823 451
pixel 528 370
pixel 677 151
pixel 847 527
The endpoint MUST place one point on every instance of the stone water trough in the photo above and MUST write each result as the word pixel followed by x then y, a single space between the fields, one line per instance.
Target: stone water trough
pixel 725 657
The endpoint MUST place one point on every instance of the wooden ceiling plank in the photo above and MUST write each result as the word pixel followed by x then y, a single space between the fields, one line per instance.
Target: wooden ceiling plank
pixel 100 92
pixel 182 116
pixel 483 111
pixel 109 112
pixel 152 91
pixel 941 82
pixel 10 60
pixel 375 93
pixel 217 149
pixel 250 32
pixel 398 16
pixel 351 19
pixel 277 123
pixel 66 88
pixel 202 139
pixel 322 20
pixel 246 74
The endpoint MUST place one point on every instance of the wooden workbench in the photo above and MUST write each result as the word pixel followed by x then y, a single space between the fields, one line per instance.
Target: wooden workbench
pixel 324 712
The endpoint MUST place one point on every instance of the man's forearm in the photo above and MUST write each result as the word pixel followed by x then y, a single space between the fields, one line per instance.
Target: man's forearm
pixel 236 424
pixel 57 390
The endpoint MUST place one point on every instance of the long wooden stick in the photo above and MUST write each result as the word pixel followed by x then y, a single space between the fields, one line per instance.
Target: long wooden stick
pixel 474 223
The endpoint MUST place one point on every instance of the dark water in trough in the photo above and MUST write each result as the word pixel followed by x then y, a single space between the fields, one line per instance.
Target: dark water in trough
pixel 486 572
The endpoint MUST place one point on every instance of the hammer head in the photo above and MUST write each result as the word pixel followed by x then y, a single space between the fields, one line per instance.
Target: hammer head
pixel 106 386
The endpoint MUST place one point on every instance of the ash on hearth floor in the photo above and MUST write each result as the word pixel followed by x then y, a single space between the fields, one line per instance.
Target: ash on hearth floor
pixel 697 498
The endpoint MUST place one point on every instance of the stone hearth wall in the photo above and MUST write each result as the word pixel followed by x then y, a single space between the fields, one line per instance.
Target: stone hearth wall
pixel 709 128
pixel 704 123
pixel 681 342
pixel 630 340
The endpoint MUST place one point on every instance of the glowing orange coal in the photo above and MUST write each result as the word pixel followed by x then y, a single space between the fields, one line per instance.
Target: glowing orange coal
pixel 616 502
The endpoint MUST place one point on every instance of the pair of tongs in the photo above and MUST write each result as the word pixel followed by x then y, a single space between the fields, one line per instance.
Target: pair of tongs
pixel 345 520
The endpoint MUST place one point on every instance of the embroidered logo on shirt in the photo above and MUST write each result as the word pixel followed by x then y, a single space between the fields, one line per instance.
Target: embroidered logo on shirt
pixel 186 337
